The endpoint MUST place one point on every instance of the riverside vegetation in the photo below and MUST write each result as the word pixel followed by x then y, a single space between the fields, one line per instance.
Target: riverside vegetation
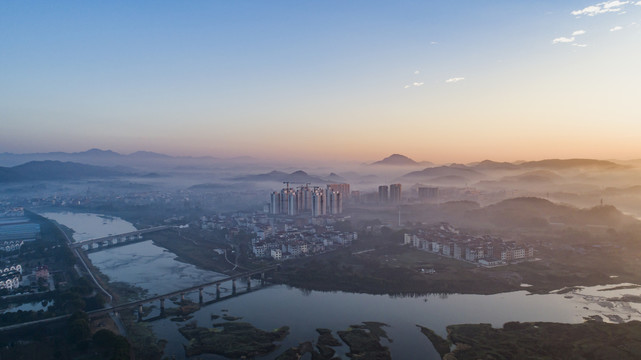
pixel 540 340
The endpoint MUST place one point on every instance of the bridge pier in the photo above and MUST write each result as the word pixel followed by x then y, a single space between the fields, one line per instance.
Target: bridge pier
pixel 200 295
pixel 233 286
pixel 182 296
pixel 140 313
pixel 217 291
pixel 249 283
pixel 262 278
pixel 162 306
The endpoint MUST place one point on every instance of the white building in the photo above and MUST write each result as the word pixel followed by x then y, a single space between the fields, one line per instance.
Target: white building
pixel 277 254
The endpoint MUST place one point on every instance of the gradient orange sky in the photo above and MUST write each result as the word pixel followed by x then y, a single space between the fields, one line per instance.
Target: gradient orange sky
pixel 444 82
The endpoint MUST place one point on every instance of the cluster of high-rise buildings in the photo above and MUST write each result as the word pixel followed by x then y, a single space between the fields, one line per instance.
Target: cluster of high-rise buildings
pixel 306 199
pixel 389 194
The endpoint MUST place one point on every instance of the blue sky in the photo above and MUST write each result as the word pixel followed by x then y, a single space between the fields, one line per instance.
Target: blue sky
pixel 440 81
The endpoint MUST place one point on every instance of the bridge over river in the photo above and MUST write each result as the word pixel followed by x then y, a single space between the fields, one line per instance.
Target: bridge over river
pixel 139 303
pixel 115 239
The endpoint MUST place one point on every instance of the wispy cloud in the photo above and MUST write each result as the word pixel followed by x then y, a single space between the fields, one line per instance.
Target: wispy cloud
pixel 563 40
pixel 436 42
pixel 601 8
pixel 416 72
pixel 616 28
pixel 414 84
pixel 580 45
pixel 638 3
pixel 454 80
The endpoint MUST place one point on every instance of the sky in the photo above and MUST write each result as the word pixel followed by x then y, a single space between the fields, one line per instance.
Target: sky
pixel 439 81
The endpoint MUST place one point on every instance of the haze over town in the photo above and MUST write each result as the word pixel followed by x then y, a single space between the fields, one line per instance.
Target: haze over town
pixel 326 180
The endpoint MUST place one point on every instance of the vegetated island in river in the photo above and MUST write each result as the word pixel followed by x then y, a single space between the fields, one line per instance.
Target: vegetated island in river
pixel 231 339
pixel 363 341
pixel 234 339
pixel 540 340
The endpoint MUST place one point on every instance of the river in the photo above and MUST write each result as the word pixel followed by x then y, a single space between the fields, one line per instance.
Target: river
pixel 156 270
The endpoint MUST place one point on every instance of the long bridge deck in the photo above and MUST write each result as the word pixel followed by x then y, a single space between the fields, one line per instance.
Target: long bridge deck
pixel 111 238
pixel 133 304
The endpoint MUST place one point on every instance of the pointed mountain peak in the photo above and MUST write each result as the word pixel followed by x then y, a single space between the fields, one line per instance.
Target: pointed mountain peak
pixel 396 159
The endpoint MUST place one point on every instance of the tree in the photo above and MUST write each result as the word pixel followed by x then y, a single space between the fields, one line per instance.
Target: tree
pixel 114 346
pixel 78 327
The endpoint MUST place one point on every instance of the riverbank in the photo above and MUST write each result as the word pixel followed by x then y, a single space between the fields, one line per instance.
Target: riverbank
pixel 394 269
pixel 538 340
pixel 193 249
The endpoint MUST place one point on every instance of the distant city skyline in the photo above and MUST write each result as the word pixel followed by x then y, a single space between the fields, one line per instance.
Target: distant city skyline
pixel 349 80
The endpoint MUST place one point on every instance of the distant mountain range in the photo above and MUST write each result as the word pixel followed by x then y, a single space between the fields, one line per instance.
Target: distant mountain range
pixel 104 158
pixel 489 165
pixel 57 170
pixel 533 171
pixel 461 173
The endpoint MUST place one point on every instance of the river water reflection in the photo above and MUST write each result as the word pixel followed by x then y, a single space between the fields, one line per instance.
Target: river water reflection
pixel 155 269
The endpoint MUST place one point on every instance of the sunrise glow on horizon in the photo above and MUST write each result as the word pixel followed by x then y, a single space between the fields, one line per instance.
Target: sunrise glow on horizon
pixel 351 80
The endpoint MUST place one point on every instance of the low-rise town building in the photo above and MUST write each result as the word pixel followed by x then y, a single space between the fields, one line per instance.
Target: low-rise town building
pixel 486 250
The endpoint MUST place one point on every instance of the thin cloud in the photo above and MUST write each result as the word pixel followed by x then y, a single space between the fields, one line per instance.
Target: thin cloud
pixel 580 45
pixel 615 3
pixel 454 80
pixel 436 42
pixel 414 84
pixel 578 32
pixel 616 28
pixel 638 3
pixel 416 72
pixel 601 8
pixel 562 39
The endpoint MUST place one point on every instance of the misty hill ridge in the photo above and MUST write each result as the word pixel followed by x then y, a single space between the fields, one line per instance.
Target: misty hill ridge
pixel 55 170
pixel 455 170
pixel 298 177
pixel 96 152
pixel 534 176
pixel 537 212
pixel 494 165
pixel 572 163
pixel 551 164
